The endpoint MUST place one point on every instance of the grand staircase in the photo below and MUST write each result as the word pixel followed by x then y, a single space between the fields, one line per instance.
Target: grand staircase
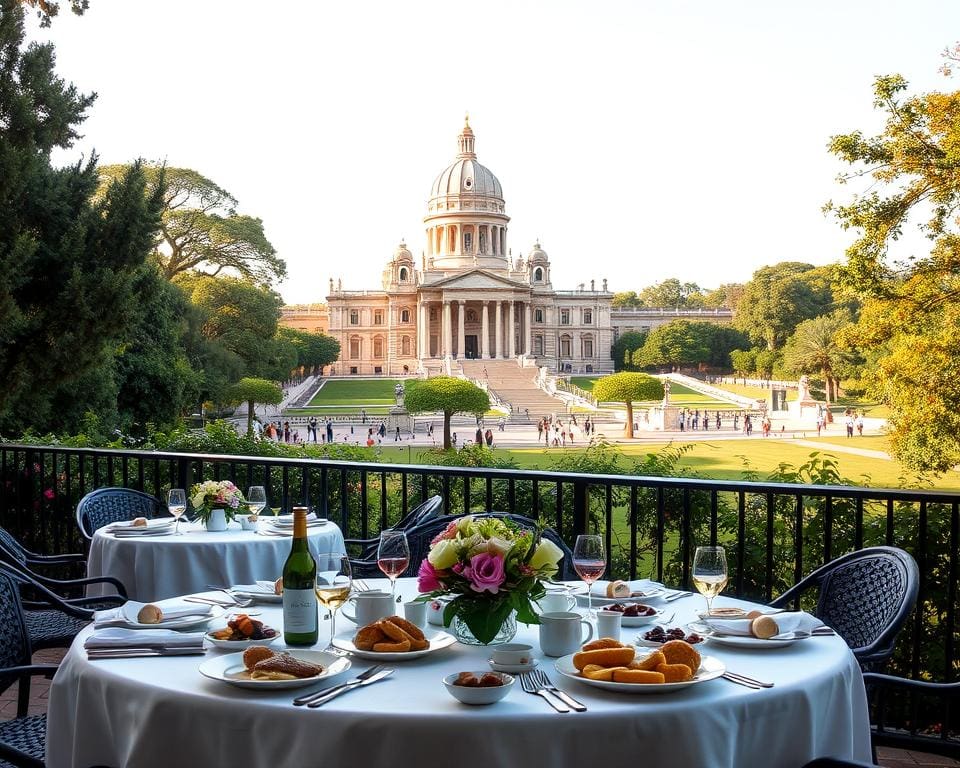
pixel 516 386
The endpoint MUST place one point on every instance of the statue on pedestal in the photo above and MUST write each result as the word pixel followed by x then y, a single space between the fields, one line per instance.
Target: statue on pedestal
pixel 398 392
pixel 803 389
pixel 666 393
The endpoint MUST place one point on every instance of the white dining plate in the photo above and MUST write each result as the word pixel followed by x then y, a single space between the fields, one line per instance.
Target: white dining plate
pixel 230 669
pixel 653 593
pixel 639 640
pixel 512 669
pixel 238 645
pixel 743 641
pixel 185 622
pixel 710 669
pixel 261 592
pixel 638 621
pixel 438 641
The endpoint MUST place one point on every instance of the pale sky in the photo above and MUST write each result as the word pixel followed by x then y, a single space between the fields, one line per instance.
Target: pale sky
pixel 637 140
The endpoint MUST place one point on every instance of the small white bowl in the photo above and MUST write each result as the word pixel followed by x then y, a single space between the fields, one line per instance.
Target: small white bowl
pixel 474 696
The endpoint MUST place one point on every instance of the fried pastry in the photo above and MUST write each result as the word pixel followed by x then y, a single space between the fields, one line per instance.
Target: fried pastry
pixel 284 664
pixel 605 657
pixel 596 672
pixel 681 652
pixel 650 662
pixel 394 631
pixel 623 675
pixel 603 642
pixel 254 654
pixel 675 673
pixel 392 647
pixel 467 680
pixel 369 636
pixel 407 626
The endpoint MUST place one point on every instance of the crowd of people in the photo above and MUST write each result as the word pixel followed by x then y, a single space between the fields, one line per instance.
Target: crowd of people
pixel 554 432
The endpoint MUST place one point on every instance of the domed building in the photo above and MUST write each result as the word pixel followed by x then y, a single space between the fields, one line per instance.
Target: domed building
pixel 469 299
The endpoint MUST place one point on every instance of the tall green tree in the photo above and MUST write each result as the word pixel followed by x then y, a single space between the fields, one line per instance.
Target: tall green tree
pixel 624 347
pixel 48 9
pixel 202 230
pixel 314 351
pixel 815 348
pixel 253 391
pixel 447 395
pixel 626 300
pixel 671 293
pixel 628 388
pixel 675 344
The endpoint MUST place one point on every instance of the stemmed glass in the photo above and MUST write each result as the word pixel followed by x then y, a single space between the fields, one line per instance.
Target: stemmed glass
pixel 589 561
pixel 334 581
pixel 710 573
pixel 393 556
pixel 177 504
pixel 256 499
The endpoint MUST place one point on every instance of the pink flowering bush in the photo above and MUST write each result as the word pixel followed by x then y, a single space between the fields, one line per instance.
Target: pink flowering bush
pixel 492 567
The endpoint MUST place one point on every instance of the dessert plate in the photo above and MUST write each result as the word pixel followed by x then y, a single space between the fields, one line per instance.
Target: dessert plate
pixel 129 611
pixel 230 669
pixel 651 593
pixel 238 645
pixel 512 669
pixel 710 669
pixel 745 641
pixel 637 621
pixel 438 641
pixel 261 592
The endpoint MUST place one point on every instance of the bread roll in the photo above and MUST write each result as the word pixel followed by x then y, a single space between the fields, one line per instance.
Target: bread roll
pixel 278 586
pixel 618 589
pixel 139 522
pixel 764 627
pixel 150 614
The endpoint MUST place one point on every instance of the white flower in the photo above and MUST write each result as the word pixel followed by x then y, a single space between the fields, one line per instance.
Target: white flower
pixel 546 557
pixel 443 555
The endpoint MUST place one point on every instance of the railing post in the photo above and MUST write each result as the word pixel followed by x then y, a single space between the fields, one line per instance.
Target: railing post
pixel 183 474
pixel 580 487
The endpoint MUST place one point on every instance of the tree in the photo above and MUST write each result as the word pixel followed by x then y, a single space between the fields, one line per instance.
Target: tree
pixel 910 311
pixel 627 388
pixel 672 293
pixel 315 351
pixel 626 300
pixel 675 344
pixel 253 391
pixel 202 230
pixel 779 297
pixel 448 395
pixel 624 347
pixel 815 348
pixel 744 361
pixel 726 296
pixel 47 9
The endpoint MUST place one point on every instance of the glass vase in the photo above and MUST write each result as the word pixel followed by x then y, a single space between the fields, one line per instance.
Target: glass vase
pixel 508 631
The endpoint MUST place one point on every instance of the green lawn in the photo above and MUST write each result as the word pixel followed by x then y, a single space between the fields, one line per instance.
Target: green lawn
pixel 338 410
pixel 358 393
pixel 584 382
pixel 746 390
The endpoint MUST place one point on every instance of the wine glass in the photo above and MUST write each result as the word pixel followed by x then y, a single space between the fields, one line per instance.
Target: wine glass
pixel 334 581
pixel 256 499
pixel 177 504
pixel 589 561
pixel 393 556
pixel 710 572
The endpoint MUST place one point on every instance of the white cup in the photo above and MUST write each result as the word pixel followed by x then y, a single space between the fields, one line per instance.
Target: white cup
pixel 246 523
pixel 557 602
pixel 560 633
pixel 608 624
pixel 371 606
pixel 512 654
pixel 435 610
pixel 416 613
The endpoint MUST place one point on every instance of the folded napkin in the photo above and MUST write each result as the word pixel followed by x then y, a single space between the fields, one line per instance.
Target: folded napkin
pixel 126 614
pixel 599 588
pixel 798 621
pixel 118 637
pixel 260 588
pixel 127 525
pixel 287 520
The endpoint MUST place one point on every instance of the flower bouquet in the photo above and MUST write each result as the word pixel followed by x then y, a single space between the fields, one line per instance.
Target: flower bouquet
pixel 212 494
pixel 493 567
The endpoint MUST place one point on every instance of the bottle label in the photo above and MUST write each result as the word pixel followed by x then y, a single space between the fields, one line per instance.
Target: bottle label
pixel 299 610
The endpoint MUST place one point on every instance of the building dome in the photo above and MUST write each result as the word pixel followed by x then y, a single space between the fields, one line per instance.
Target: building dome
pixel 402 253
pixel 465 176
pixel 537 254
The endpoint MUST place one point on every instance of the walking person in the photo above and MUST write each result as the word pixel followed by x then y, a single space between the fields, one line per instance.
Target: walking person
pixel 286 431
pixel 718 420
pixel 312 429
pixel 329 431
pixel 488 436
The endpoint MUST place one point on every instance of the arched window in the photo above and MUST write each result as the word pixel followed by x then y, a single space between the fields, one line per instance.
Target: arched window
pixel 538 275
pixel 403 274
pixel 378 347
pixel 405 346
pixel 404 315
pixel 355 347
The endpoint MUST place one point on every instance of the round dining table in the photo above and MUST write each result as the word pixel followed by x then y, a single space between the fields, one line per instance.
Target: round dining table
pixel 159 567
pixel 156 712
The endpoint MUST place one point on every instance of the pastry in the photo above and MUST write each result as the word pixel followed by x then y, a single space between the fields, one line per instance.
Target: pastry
pixel 254 654
pixel 283 666
pixel 468 680
pixel 681 652
pixel 368 636
pixel 278 586
pixel 605 657
pixel 603 642
pixel 387 646
pixel 150 614
pixel 622 675
pixel 618 589
pixel 597 672
pixel 139 522
pixel 764 627
pixel 407 626
pixel 650 662
pixel 675 673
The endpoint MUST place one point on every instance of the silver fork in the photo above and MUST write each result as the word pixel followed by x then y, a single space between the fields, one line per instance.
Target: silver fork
pixel 307 698
pixel 237 603
pixel 749 682
pixel 541 679
pixel 361 585
pixel 530 687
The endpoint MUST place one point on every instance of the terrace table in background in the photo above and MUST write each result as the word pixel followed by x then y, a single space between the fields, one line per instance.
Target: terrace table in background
pixel 161 712
pixel 158 567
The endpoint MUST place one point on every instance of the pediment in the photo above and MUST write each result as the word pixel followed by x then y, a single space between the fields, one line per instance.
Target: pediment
pixel 477 279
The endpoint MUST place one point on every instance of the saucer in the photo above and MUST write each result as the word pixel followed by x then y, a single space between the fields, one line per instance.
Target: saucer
pixel 511 669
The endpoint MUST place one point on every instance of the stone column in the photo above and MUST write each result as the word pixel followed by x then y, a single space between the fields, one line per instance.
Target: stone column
pixel 461 338
pixel 498 332
pixel 447 335
pixel 484 331
pixel 511 330
pixel 527 335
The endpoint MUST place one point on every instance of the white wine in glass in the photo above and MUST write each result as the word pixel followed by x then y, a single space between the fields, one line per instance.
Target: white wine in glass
pixel 256 499
pixel 709 573
pixel 177 504
pixel 589 561
pixel 334 582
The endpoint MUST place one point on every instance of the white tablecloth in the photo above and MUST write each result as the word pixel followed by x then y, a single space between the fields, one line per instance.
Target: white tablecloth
pixel 160 712
pixel 158 567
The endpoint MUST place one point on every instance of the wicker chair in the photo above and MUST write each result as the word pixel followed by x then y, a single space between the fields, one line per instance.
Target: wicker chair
pixel 364 565
pixel 113 505
pixel 866 597
pixel 22 740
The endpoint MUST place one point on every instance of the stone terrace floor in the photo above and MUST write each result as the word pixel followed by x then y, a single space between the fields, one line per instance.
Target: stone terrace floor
pixel 40 688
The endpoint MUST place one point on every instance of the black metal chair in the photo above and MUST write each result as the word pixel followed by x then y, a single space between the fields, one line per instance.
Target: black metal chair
pixel 866 597
pixel 22 739
pixel 834 762
pixel 364 564
pixel 114 505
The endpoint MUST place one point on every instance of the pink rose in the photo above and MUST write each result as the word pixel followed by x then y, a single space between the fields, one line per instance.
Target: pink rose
pixel 485 573
pixel 428 579
pixel 449 533
pixel 48 494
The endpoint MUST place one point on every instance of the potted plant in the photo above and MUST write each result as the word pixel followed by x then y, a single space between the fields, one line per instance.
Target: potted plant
pixel 216 503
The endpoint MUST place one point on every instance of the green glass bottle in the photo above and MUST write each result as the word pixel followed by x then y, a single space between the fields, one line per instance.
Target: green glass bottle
pixel 300 617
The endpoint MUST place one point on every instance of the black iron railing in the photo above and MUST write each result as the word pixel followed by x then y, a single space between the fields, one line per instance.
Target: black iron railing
pixel 774 532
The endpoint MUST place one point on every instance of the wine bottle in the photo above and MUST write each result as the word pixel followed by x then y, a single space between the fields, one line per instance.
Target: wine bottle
pixel 300 617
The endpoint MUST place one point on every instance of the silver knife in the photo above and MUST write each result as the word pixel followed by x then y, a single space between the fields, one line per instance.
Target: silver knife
pixel 349 687
pixel 135 653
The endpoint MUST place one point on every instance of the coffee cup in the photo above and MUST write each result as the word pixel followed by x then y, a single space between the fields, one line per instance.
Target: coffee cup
pixel 608 624
pixel 416 613
pixel 435 610
pixel 560 632
pixel 370 607
pixel 512 654
pixel 557 602
pixel 248 522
